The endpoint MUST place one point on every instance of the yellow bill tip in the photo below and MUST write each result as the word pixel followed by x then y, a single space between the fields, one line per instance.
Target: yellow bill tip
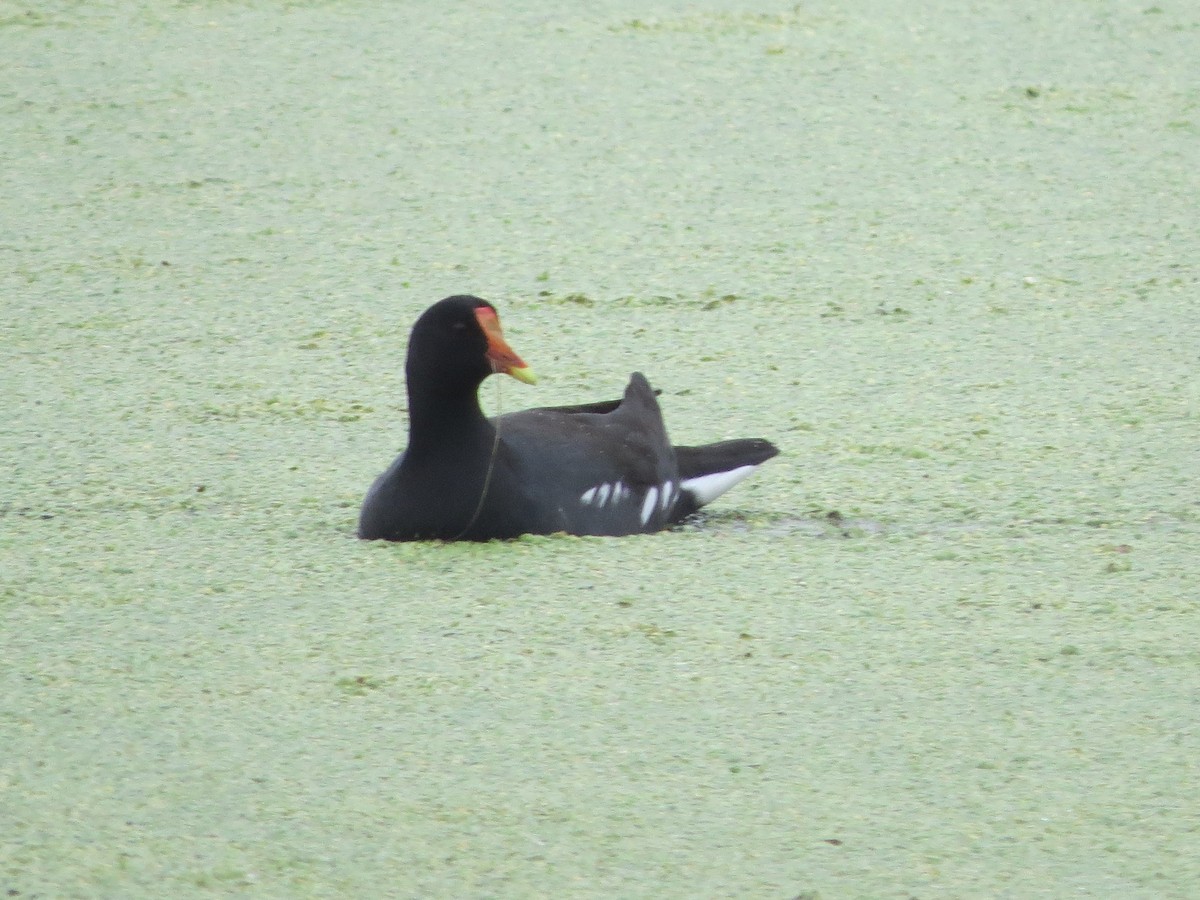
pixel 523 373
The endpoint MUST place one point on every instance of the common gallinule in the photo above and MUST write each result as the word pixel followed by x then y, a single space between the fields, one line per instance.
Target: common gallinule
pixel 600 468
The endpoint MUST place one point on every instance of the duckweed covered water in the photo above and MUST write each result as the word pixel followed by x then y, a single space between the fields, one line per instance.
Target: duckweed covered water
pixel 944 645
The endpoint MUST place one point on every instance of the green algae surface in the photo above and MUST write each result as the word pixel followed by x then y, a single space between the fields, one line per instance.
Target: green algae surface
pixel 944 256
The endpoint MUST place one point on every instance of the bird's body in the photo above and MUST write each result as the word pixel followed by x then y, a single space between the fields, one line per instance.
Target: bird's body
pixel 601 469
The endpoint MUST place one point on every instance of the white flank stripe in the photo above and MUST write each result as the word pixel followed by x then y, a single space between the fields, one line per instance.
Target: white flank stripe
pixel 588 496
pixel 668 495
pixel 604 491
pixel 707 488
pixel 649 503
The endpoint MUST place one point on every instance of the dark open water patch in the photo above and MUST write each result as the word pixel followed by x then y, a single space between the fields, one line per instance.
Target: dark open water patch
pixel 831 524
pixel 834 524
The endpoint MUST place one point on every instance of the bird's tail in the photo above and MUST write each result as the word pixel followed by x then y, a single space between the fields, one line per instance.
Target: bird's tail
pixel 708 471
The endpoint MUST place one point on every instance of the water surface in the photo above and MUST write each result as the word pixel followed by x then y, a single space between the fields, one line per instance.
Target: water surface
pixel 944 645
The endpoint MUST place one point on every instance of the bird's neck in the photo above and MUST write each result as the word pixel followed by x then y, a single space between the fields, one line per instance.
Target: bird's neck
pixel 443 417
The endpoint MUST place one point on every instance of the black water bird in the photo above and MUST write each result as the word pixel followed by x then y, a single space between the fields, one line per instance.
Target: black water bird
pixel 603 468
